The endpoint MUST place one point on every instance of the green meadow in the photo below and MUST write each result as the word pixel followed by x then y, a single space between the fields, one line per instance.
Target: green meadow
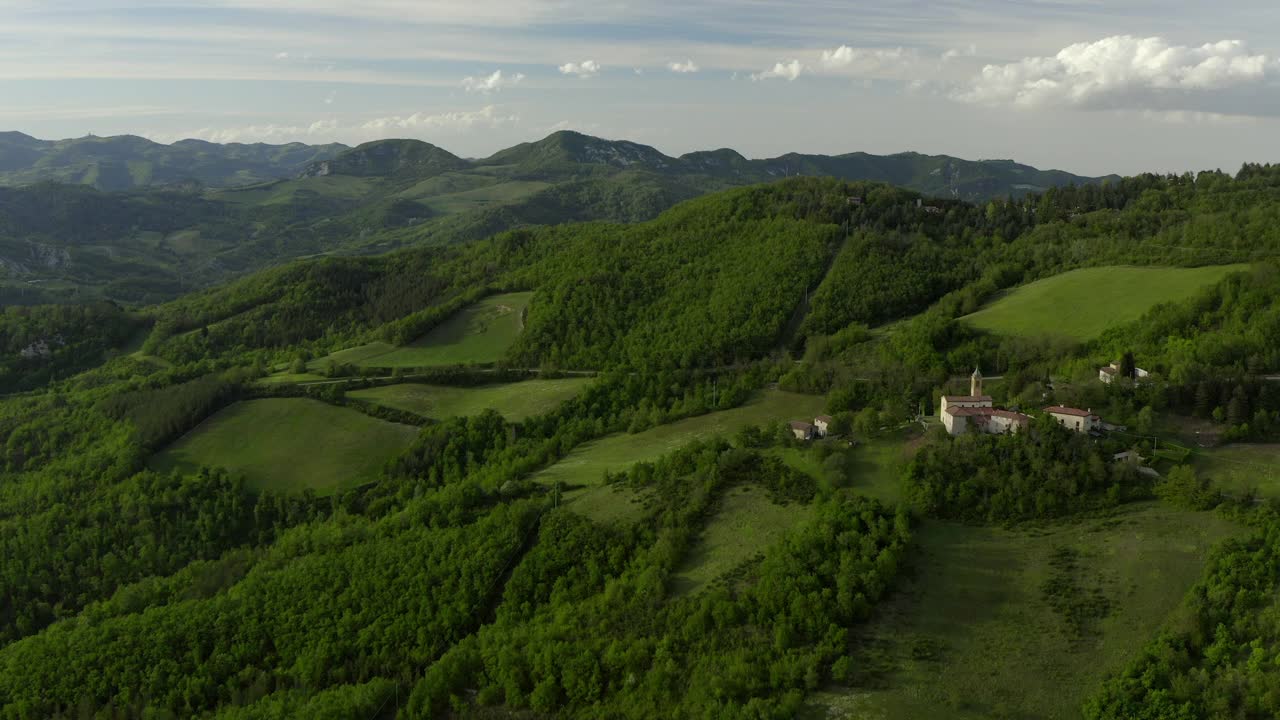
pixel 1239 468
pixel 588 462
pixel 515 401
pixel 479 333
pixel 745 523
pixel 290 444
pixel 970 633
pixel 1082 304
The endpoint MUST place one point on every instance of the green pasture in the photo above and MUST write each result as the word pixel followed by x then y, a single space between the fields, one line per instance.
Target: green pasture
pixel 1082 304
pixel 479 333
pixel 290 444
pixel 588 462
pixel 1240 468
pixel 745 523
pixel 515 401
pixel 969 633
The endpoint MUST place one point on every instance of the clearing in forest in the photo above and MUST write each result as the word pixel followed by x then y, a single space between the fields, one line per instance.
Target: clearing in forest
pixel 1024 623
pixel 745 523
pixel 586 465
pixel 515 401
pixel 290 444
pixel 1082 304
pixel 479 333
pixel 1240 467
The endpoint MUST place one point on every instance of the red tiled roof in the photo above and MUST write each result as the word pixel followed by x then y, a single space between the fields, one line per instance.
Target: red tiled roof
pixel 824 418
pixel 967 398
pixel 988 412
pixel 1109 370
pixel 1011 415
pixel 800 425
pixel 1060 410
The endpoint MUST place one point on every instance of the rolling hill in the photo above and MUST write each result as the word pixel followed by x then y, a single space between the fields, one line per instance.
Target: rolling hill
pixel 136 221
pixel 127 162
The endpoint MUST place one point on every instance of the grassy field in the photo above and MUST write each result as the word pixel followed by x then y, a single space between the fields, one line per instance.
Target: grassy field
pixel 745 524
pixel 878 464
pixel 1081 304
pixel 290 444
pixel 970 635
pixel 516 401
pixel 480 333
pixel 587 463
pixel 1239 468
pixel 285 378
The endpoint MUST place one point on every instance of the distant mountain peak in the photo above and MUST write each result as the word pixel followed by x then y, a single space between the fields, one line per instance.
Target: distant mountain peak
pixel 388 157
pixel 568 147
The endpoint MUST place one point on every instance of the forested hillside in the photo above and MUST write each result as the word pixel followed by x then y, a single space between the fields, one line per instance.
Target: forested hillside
pixel 175 218
pixel 127 162
pixel 479 570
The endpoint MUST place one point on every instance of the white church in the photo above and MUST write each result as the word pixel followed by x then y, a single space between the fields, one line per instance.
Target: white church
pixel 975 412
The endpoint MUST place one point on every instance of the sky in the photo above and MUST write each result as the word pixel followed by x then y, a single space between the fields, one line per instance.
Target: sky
pixel 1088 86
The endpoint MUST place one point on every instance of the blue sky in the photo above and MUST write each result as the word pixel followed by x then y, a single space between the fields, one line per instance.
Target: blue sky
pixel 1091 86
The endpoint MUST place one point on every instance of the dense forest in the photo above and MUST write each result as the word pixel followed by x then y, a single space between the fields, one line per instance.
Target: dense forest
pixel 455 584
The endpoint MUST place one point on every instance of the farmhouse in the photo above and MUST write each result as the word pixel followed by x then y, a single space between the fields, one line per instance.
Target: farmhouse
pixel 1109 373
pixel 1074 418
pixel 975 412
pixel 803 430
pixel 823 424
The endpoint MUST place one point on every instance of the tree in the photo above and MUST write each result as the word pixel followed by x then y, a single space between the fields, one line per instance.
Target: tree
pixel 1146 420
pixel 1238 408
pixel 1128 368
pixel 1204 400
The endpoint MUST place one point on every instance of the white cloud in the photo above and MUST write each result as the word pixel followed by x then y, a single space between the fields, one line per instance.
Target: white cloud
pixel 1126 72
pixel 333 95
pixel 456 122
pixel 491 83
pixel 320 130
pixel 576 126
pixel 282 56
pixel 688 66
pixel 868 61
pixel 790 70
pixel 584 69
pixel 954 53
pixel 459 121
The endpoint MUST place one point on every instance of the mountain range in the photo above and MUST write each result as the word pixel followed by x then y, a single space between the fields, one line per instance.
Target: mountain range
pixel 129 162
pixel 136 221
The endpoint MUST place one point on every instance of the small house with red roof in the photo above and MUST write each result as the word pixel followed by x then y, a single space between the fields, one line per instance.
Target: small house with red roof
pixel 1082 421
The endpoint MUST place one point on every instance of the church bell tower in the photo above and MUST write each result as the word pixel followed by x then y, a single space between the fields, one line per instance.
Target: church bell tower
pixel 975 383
